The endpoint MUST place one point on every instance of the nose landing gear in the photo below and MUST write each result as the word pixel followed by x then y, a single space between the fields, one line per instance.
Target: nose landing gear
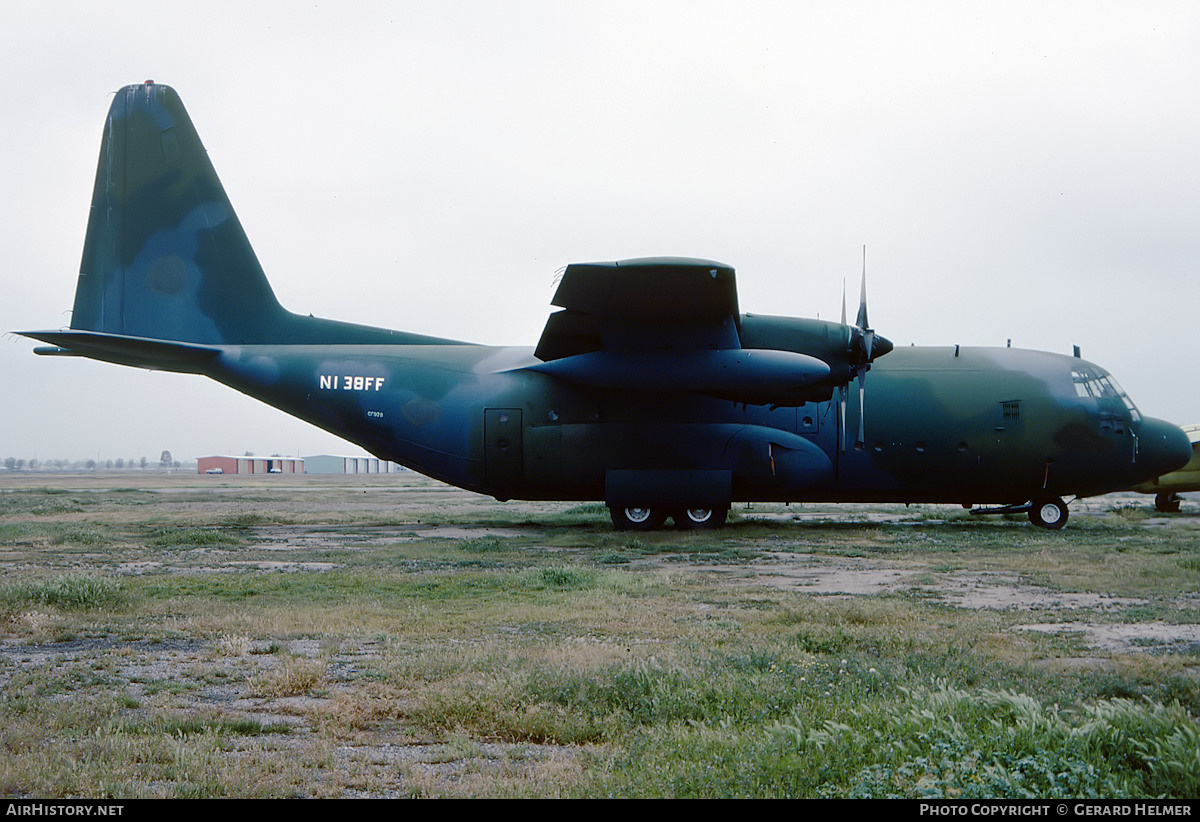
pixel 1047 512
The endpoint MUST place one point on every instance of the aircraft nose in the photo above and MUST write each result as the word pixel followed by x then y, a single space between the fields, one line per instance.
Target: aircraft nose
pixel 1163 447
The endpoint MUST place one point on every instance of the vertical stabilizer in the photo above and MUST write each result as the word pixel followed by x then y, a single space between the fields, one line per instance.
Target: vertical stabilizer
pixel 165 256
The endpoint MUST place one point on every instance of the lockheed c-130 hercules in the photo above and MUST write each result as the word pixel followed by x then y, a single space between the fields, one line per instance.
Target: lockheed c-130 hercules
pixel 648 390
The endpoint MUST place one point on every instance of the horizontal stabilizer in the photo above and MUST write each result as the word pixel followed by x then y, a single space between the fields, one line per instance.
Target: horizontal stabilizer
pixel 159 355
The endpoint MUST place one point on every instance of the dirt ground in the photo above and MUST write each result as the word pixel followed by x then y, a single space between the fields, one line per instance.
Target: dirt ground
pixel 408 498
pixel 324 516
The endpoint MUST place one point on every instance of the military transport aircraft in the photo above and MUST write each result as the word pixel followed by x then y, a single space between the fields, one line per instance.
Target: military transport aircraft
pixel 649 390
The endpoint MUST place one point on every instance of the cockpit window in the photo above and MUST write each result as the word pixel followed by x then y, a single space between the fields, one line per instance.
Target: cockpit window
pixel 1090 382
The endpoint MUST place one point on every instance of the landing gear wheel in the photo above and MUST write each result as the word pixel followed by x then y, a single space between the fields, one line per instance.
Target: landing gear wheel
pixel 1167 503
pixel 1048 513
pixel 636 519
pixel 696 519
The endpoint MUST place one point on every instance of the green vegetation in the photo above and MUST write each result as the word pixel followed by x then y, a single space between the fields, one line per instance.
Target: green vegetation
pixel 191 537
pixel 928 742
pixel 368 641
pixel 71 592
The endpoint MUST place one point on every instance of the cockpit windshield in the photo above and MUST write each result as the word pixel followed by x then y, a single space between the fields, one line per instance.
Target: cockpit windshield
pixel 1092 382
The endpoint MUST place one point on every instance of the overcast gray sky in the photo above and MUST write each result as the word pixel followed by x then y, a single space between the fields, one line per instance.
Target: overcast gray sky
pixel 1023 170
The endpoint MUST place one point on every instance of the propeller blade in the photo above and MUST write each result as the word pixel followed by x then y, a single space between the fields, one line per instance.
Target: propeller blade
pixel 842 416
pixel 862 411
pixel 845 328
pixel 867 336
pixel 861 322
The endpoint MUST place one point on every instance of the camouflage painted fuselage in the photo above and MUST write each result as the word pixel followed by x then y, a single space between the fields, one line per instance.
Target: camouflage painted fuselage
pixel 963 425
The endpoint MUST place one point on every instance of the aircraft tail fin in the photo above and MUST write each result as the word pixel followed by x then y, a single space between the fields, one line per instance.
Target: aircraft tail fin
pixel 165 256
pixel 166 259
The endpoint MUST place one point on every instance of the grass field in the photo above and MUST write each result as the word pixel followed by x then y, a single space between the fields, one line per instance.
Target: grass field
pixel 193 636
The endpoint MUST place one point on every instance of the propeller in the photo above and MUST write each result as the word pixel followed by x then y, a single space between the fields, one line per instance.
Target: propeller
pixel 863 345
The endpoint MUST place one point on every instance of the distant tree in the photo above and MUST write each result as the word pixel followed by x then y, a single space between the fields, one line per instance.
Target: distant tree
pixel 20 464
pixel 120 462
pixel 248 454
pixel 10 463
pixel 143 462
pixel 165 460
pixel 33 464
pixel 108 464
pixel 91 465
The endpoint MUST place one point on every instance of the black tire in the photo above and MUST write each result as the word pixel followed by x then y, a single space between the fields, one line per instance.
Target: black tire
pixel 700 519
pixel 1048 513
pixel 636 519
pixel 1167 503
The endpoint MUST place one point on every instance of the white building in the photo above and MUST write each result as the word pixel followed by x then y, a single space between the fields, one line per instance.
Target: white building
pixel 333 464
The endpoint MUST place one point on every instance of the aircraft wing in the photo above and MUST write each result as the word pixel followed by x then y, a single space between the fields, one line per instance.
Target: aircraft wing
pixel 663 324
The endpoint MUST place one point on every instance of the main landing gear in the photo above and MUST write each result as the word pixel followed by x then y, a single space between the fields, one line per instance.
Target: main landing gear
pixel 651 519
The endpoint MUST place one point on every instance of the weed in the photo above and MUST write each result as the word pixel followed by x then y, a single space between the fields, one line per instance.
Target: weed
pixel 169 686
pixel 72 591
pixel 985 743
pixel 191 537
pixel 89 535
pixel 221 727
pixel 484 545
pixel 565 578
pixel 1131 513
pixel 232 645
pixel 593 510
pixel 292 677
